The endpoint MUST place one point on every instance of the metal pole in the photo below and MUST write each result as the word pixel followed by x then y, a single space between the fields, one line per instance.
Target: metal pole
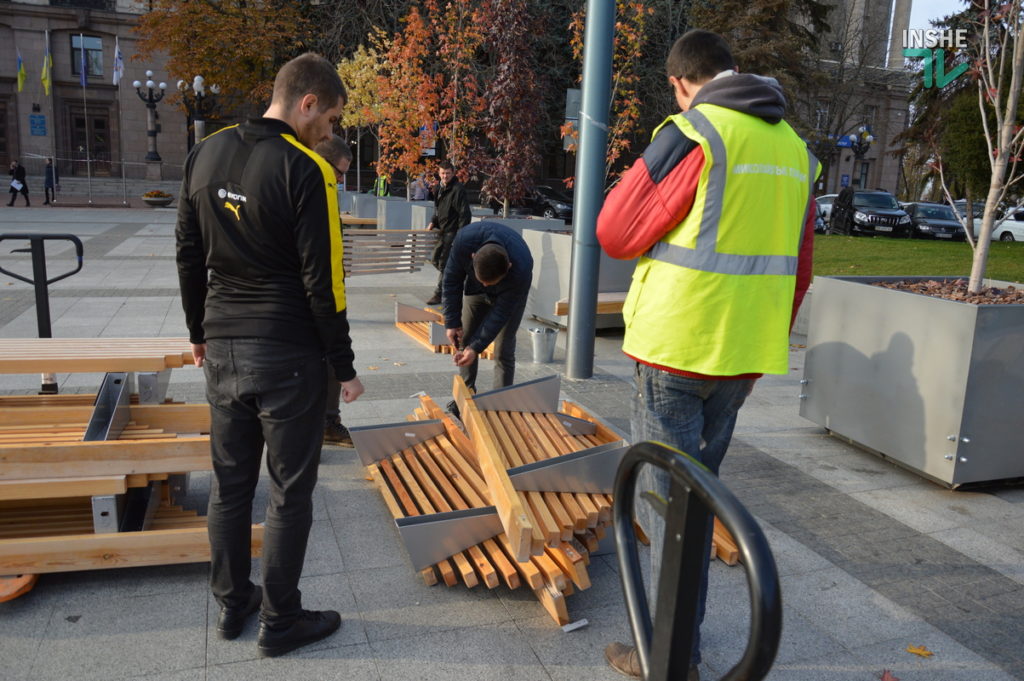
pixel 598 40
pixel 85 114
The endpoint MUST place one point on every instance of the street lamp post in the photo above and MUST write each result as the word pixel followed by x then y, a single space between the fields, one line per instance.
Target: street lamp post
pixel 150 97
pixel 199 103
pixel 861 141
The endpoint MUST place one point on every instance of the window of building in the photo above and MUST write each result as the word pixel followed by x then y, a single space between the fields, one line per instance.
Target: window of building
pixel 93 55
pixel 869 112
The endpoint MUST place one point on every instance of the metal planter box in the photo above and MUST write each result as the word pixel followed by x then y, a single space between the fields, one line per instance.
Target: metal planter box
pixel 935 385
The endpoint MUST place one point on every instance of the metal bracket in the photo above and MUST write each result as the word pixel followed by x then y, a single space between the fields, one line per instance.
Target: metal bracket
pixel 576 426
pixel 110 412
pixel 374 443
pixel 431 538
pixel 177 486
pixel 588 470
pixel 153 386
pixel 140 504
pixel 106 513
pixel 539 396
pixel 438 335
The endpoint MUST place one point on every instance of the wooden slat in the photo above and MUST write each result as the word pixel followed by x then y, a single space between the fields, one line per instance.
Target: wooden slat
pixel 67 553
pixel 117 457
pixel 34 355
pixel 62 488
pixel 607 303
pixel 428 574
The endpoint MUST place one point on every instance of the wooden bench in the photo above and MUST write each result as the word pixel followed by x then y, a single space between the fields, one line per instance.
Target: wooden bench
pixel 610 302
pixel 62 498
pixel 380 251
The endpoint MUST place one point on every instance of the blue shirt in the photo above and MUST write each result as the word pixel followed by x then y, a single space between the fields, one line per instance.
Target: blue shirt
pixel 506 295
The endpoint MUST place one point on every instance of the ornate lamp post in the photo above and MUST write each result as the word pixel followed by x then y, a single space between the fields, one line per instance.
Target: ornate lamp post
pixel 861 141
pixel 150 97
pixel 199 103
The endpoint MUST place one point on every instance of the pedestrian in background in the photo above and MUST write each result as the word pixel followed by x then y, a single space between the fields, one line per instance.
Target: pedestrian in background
pixel 451 213
pixel 717 285
pixel 338 154
pixel 51 180
pixel 259 262
pixel 19 185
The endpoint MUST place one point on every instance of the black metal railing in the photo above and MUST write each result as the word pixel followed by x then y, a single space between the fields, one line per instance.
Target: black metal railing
pixel 665 647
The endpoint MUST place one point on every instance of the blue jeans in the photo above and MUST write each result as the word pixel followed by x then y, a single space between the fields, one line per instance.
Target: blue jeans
pixel 696 416
pixel 263 392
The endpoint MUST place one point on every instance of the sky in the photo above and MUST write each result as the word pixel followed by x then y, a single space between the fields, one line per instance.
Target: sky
pixel 922 12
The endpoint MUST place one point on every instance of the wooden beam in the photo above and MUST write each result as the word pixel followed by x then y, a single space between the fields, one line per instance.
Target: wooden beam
pixel 112 457
pixel 69 553
pixel 607 303
pixel 513 515
pixel 50 488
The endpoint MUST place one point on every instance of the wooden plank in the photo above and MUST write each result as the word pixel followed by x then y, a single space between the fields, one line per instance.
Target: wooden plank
pixel 68 553
pixel 116 457
pixel 604 433
pixel 608 302
pixel 519 527
pixel 428 574
pixel 723 544
pixel 43 488
pixel 571 563
pixel 173 418
pixel 554 602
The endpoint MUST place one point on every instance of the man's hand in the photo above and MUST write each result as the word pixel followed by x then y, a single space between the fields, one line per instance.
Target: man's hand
pixel 199 353
pixel 463 358
pixel 455 337
pixel 351 390
pixel 432 225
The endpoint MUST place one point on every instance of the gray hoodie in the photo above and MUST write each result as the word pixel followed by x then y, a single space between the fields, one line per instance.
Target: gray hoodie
pixel 747 93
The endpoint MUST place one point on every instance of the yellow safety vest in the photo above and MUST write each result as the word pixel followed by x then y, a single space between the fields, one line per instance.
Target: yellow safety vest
pixel 715 295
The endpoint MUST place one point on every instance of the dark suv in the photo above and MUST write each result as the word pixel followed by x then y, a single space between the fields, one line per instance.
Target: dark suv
pixel 870 212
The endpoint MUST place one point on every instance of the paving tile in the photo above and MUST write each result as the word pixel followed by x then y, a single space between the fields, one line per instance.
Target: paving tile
pixel 498 652
pixel 350 662
pixel 395 603
pixel 577 655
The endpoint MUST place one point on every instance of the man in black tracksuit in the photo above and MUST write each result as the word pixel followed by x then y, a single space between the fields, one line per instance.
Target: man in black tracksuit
pixel 259 262
pixel 451 213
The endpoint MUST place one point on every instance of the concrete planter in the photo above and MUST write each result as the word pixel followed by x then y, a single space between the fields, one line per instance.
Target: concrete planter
pixel 396 213
pixel 364 206
pixel 420 214
pixel 158 201
pixel 552 258
pixel 932 384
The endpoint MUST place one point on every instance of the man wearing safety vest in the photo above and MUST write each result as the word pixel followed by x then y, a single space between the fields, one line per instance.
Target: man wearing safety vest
pixel 718 210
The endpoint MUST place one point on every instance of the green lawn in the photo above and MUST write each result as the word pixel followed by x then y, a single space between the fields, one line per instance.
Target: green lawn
pixel 871 256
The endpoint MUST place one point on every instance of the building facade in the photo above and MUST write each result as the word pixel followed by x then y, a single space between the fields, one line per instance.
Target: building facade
pixel 98 129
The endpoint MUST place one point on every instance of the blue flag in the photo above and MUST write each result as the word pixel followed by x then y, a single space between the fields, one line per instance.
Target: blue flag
pixel 83 72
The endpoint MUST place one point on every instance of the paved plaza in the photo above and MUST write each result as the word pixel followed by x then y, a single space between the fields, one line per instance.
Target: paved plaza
pixel 872 558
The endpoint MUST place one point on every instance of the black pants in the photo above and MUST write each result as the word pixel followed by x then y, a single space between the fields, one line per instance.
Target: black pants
pixel 440 259
pixel 262 392
pixel 49 194
pixel 14 194
pixel 474 310
pixel 332 410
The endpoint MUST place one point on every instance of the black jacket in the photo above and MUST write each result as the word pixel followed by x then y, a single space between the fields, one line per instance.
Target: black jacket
pixel 259 242
pixel 507 294
pixel 451 208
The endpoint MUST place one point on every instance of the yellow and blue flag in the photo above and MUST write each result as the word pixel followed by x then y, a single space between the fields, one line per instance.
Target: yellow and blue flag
pixel 47 73
pixel 21 73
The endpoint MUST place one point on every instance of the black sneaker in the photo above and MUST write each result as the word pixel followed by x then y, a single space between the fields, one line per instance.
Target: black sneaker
pixel 231 621
pixel 337 434
pixel 310 627
pixel 434 300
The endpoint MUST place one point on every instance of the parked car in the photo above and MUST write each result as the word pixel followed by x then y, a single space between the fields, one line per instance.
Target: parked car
pixel 869 212
pixel 825 205
pixel 1009 227
pixel 934 221
pixel 548 202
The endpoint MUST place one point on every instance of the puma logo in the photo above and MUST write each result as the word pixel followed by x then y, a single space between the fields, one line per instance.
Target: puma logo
pixel 233 208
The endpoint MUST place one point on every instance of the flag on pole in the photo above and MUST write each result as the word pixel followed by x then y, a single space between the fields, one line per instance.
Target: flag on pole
pixel 21 73
pixel 118 62
pixel 83 72
pixel 47 73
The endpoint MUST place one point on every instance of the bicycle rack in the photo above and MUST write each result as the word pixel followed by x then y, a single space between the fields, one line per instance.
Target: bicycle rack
pixel 665 649
pixel 41 283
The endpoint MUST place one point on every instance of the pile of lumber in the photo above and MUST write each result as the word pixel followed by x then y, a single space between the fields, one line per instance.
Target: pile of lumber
pixel 41 355
pixel 444 474
pixel 426 327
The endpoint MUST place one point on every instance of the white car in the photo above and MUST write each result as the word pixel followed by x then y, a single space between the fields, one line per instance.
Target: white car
pixel 1010 227
pixel 825 205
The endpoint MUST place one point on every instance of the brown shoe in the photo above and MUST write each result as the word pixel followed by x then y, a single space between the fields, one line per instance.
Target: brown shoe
pixel 624 660
pixel 337 434
pixel 434 299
